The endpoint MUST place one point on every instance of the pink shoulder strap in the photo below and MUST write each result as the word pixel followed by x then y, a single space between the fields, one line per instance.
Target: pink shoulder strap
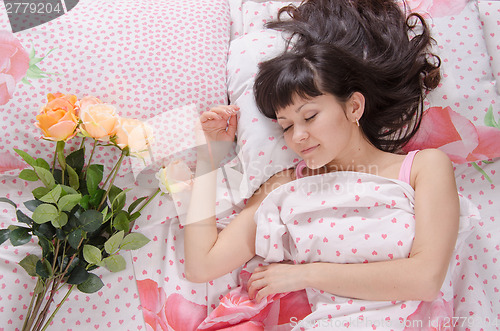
pixel 298 169
pixel 404 172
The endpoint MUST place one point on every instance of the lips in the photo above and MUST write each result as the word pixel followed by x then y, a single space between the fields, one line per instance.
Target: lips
pixel 309 150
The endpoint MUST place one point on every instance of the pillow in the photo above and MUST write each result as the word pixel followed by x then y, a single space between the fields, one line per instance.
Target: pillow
pixel 143 57
pixel 467 86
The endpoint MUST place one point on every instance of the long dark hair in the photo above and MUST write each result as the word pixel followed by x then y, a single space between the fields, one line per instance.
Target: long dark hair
pixel 341 47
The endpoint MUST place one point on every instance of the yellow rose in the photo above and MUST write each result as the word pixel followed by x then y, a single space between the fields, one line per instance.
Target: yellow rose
pixel 175 177
pixel 136 135
pixel 57 119
pixel 99 120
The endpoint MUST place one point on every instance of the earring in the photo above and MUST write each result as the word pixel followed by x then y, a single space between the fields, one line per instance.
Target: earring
pixel 357 121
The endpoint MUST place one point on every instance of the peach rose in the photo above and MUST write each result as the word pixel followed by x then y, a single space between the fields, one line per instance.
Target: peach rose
pixel 175 177
pixel 57 119
pixel 136 135
pixel 99 120
pixel 85 102
pixel 14 63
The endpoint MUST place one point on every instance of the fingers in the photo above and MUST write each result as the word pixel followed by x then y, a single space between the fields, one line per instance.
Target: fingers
pixel 219 112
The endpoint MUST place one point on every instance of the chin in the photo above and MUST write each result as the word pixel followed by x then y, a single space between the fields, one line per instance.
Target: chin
pixel 313 164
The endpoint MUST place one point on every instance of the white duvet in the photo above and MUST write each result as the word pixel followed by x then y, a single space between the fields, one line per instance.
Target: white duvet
pixel 350 217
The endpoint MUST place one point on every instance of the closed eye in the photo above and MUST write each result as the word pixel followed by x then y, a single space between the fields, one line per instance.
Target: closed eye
pixel 312 117
pixel 287 128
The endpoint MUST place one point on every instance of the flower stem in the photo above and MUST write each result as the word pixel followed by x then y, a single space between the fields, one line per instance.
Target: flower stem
pixel 148 200
pixel 116 168
pixel 29 316
pixel 151 198
pixel 39 300
pixel 58 307
pixel 90 158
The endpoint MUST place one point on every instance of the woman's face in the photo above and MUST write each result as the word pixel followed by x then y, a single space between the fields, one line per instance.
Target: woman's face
pixel 317 129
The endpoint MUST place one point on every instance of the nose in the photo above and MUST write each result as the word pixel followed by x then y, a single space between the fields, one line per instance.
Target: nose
pixel 300 133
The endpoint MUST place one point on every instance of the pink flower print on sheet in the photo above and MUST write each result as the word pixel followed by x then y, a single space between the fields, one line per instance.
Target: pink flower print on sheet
pixel 168 313
pixel 9 162
pixel 434 315
pixel 455 135
pixel 437 8
pixel 236 311
pixel 14 63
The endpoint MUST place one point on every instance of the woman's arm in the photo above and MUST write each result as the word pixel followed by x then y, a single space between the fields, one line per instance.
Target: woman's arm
pixel 418 277
pixel 208 253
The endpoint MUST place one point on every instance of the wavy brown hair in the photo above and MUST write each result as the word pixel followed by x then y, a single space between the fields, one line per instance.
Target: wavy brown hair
pixel 341 47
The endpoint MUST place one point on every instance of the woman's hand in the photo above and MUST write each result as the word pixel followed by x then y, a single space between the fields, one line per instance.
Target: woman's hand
pixel 276 278
pixel 216 131
pixel 219 123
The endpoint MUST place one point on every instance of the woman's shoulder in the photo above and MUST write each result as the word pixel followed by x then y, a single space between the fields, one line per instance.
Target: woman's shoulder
pixel 431 158
pixel 431 163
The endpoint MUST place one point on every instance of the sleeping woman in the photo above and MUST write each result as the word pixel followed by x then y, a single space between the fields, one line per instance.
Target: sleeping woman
pixel 370 232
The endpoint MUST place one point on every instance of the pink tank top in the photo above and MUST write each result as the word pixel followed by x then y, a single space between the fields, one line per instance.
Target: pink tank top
pixel 404 172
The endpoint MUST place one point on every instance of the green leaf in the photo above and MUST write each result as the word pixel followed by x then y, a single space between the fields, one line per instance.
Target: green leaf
pixel 76 160
pixel 94 177
pixel 68 202
pixel 29 264
pixel 46 177
pixel 92 284
pixel 113 193
pixel 134 241
pixel 68 190
pixel 119 202
pixel 42 164
pixel 47 246
pixel 95 199
pixel 46 230
pixel 134 204
pixel 43 269
pixel 78 275
pixel 92 255
pixel 90 220
pixel 113 244
pixel 19 236
pixel 134 216
pixel 121 221
pixel 21 217
pixel 53 195
pixel 26 157
pixel 60 221
pixel 4 235
pixel 29 175
pixel 74 180
pixel 31 205
pixel 85 202
pixel 40 192
pixel 75 237
pixel 44 213
pixel 489 119
pixel 115 263
pixel 8 201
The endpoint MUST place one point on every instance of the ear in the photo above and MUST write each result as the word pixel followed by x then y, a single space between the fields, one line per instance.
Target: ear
pixel 356 106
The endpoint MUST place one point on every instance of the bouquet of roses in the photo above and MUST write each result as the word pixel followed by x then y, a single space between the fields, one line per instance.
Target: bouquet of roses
pixel 78 215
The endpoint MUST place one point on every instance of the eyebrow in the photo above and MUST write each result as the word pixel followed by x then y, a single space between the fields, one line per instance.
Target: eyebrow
pixel 296 110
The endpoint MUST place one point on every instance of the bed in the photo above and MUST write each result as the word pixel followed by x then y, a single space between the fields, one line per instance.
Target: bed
pixel 164 62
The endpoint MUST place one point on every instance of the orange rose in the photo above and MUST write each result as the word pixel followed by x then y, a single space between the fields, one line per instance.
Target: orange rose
pixel 57 119
pixel 99 120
